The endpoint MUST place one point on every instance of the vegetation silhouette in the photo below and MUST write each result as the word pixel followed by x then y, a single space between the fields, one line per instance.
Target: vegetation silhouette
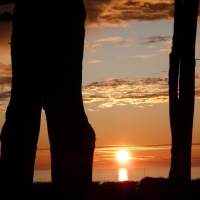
pixel 47 53
pixel 182 87
pixel 147 189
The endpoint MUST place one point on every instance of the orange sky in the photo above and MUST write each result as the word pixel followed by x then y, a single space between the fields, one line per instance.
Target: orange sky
pixel 125 82
pixel 149 156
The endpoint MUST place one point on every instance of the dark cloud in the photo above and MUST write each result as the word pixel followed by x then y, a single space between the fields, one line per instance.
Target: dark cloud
pixel 126 42
pixel 115 12
pixel 4 96
pixel 5 81
pixel 102 12
pixel 5 28
pixel 155 39
pixel 107 12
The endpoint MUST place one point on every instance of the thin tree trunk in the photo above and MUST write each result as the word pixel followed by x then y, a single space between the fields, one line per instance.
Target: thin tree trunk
pixel 181 87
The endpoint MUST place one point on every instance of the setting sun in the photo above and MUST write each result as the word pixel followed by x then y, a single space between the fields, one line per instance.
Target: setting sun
pixel 122 156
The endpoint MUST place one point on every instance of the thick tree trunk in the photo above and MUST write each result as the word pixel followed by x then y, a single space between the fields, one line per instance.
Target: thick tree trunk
pixel 181 87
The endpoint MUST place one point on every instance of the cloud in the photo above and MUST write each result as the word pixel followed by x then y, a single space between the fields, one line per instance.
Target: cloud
pixel 93 61
pixel 152 47
pixel 156 39
pixel 96 46
pixel 140 56
pixel 86 44
pixel 137 152
pixel 5 75
pixel 166 40
pixel 5 84
pixel 115 12
pixel 91 110
pixel 122 92
pixel 197 75
pixel 126 42
pixel 110 39
pixel 100 13
pixel 117 40
pixel 165 49
pixel 145 56
pixel 4 96
pixel 119 12
pixel 93 48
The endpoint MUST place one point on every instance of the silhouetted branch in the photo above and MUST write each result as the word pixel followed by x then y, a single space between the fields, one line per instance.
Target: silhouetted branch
pixel 6 17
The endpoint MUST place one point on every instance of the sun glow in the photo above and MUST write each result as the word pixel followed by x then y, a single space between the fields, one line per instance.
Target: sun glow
pixel 123 156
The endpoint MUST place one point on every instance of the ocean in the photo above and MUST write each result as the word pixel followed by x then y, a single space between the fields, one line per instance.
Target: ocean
pixel 121 174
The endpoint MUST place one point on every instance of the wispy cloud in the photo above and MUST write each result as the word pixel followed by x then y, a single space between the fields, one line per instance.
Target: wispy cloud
pixel 122 92
pixel 125 42
pixel 145 56
pixel 197 75
pixel 156 39
pixel 137 152
pixel 152 47
pixel 96 46
pixel 93 61
pixel 140 56
pixel 92 110
pixel 110 39
pixel 153 155
pixel 165 49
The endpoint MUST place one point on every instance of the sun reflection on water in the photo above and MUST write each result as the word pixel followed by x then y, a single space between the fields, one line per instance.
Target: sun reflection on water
pixel 123 174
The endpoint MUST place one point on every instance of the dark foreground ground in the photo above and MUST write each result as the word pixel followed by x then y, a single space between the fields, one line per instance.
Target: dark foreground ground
pixel 147 189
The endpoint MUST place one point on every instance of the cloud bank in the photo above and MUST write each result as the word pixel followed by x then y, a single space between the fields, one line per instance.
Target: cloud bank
pixel 122 92
pixel 110 92
pixel 115 12
pixel 101 13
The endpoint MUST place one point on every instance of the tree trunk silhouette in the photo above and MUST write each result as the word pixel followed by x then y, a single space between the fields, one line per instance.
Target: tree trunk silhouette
pixel 182 87
pixel 47 54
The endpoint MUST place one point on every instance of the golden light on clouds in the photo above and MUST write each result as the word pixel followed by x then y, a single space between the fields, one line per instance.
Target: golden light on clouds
pixel 123 91
pixel 115 12
pixel 93 61
pixel 110 39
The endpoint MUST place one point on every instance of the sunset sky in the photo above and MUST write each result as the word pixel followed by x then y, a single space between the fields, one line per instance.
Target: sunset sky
pixel 125 82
